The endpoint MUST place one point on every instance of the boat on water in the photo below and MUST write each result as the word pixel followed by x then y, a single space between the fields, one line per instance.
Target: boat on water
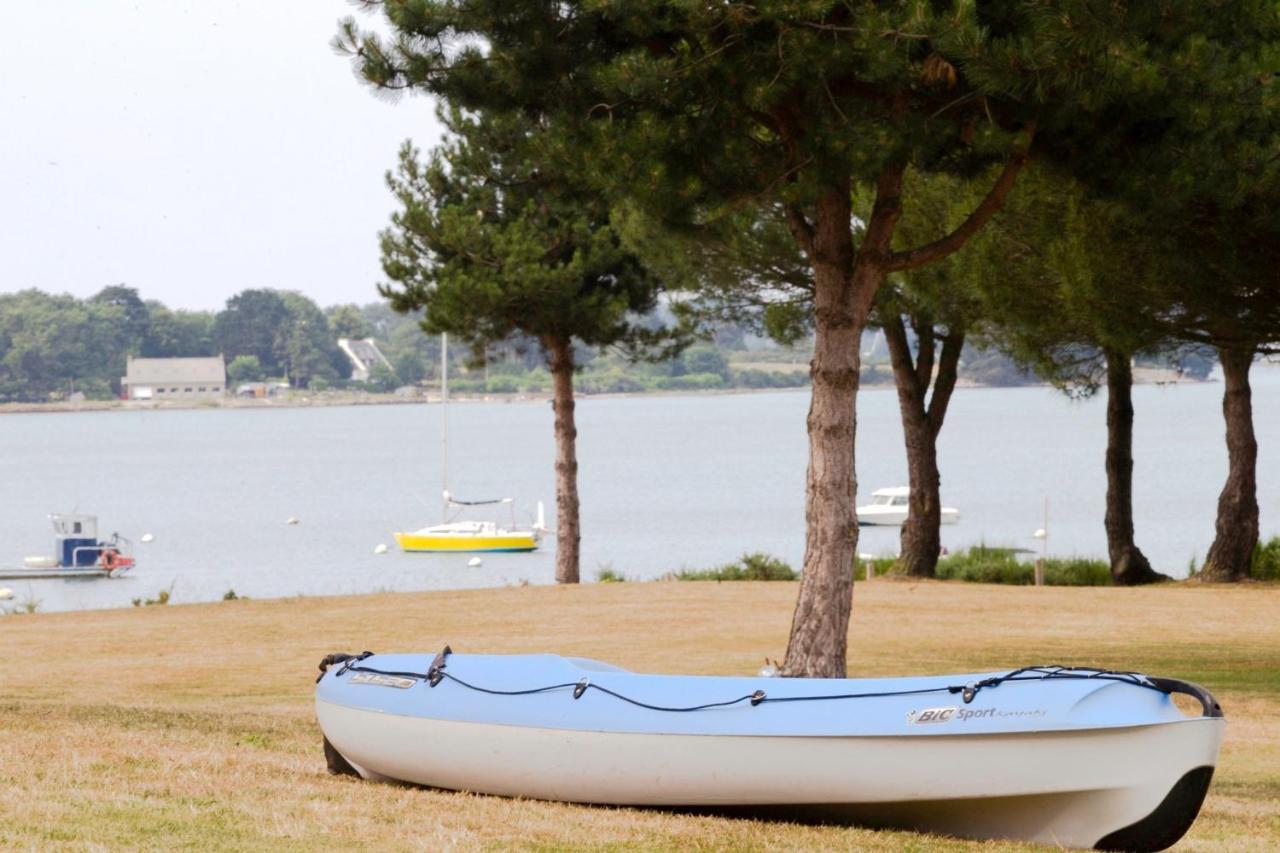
pixel 1058 755
pixel 889 507
pixel 485 536
pixel 78 553
pixel 459 535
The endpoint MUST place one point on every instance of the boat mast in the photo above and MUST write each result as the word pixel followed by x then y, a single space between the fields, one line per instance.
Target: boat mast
pixel 444 422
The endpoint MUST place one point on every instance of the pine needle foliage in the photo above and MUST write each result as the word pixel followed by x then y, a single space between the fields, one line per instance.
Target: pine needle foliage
pixel 493 238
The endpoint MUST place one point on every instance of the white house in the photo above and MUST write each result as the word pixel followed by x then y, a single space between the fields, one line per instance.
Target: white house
pixel 174 378
pixel 364 354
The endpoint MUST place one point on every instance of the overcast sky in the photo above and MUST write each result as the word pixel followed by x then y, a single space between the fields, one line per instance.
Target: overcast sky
pixel 191 150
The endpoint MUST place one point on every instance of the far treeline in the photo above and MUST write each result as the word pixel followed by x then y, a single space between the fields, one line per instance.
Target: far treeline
pixel 1076 182
pixel 54 345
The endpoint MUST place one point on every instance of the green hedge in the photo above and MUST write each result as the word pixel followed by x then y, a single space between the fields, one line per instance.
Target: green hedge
pixel 983 564
pixel 1266 560
pixel 750 567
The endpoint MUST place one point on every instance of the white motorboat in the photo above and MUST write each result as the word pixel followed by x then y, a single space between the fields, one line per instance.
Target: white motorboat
pixel 1056 755
pixel 889 507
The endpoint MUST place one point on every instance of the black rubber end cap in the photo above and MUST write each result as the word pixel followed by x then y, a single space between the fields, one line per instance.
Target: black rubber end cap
pixel 1170 820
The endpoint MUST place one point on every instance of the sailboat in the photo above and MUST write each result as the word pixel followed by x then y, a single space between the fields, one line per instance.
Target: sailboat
pixel 459 535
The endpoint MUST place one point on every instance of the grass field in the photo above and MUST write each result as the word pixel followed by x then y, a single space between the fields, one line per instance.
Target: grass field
pixel 191 726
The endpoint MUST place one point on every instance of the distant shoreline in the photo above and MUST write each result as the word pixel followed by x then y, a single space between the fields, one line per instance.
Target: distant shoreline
pixel 326 399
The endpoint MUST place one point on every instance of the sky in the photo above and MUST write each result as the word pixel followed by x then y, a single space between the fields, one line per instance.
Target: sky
pixel 192 150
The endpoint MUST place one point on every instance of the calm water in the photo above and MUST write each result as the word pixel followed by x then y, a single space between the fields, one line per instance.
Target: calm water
pixel 666 482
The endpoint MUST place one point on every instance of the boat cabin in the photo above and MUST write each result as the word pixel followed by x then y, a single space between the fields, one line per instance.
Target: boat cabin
pixel 75 539
pixel 890 497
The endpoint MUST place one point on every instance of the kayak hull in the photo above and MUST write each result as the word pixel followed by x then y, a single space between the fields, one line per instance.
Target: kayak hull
pixel 1069 786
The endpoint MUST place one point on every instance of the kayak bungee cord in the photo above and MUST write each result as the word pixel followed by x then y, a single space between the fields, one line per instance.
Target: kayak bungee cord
pixel 437 673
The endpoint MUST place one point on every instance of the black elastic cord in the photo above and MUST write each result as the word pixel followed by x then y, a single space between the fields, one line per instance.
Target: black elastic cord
pixel 969 691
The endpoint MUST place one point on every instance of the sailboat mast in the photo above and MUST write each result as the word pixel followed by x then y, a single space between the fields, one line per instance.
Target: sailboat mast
pixel 444 421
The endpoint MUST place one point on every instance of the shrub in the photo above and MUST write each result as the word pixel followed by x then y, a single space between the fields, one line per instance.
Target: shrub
pixel 1076 571
pixel 879 566
pixel 704 359
pixel 162 598
pixel 1265 565
pixel 382 379
pixel 756 378
pixel 466 386
pixel 983 564
pixel 245 368
pixel 690 382
pixel 608 575
pixel 611 381
pixel 750 567
pixel 501 385
pixel 537 379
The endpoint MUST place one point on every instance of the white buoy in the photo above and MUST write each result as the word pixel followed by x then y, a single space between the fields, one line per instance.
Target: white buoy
pixel 293 519
pixel 147 537
pixel 475 562
pixel 5 593
pixel 380 549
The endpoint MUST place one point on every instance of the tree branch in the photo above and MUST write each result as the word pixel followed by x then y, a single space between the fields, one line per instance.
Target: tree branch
pixel 910 395
pixel 926 347
pixel 885 211
pixel 952 345
pixel 801 229
pixel 981 215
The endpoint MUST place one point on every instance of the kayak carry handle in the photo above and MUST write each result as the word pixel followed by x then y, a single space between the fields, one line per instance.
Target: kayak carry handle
pixel 1208 703
pixel 339 658
pixel 435 674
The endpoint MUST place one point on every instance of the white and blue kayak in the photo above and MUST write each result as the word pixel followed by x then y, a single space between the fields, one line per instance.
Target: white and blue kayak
pixel 1059 755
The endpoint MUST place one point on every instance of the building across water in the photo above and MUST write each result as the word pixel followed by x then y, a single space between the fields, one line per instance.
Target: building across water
pixel 364 356
pixel 174 378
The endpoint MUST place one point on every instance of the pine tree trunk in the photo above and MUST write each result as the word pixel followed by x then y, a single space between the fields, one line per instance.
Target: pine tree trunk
pixel 568 532
pixel 920 540
pixel 1237 526
pixel 1129 567
pixel 820 625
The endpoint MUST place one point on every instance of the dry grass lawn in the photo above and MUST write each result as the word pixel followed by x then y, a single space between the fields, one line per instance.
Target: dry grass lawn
pixel 191 726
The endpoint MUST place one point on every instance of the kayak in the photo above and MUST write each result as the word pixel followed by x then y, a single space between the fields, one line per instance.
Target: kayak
pixel 1069 756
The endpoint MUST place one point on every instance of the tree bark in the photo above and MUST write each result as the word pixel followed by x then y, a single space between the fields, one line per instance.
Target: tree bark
pixel 568 531
pixel 1236 536
pixel 1129 566
pixel 820 624
pixel 845 285
pixel 921 535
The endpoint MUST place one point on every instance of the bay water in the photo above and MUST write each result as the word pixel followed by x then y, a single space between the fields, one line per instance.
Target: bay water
pixel 667 482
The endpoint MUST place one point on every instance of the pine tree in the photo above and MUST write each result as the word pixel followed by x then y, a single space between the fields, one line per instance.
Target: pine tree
pixel 695 110
pixel 495 238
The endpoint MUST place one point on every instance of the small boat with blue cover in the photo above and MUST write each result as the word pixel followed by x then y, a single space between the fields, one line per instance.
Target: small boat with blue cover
pixel 1060 755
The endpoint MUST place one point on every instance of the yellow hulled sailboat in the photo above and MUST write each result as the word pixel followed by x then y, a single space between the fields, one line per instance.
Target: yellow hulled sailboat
pixel 463 536
pixel 473 535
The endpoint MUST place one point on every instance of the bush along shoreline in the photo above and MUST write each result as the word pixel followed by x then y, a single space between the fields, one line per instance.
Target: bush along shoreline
pixel 977 564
